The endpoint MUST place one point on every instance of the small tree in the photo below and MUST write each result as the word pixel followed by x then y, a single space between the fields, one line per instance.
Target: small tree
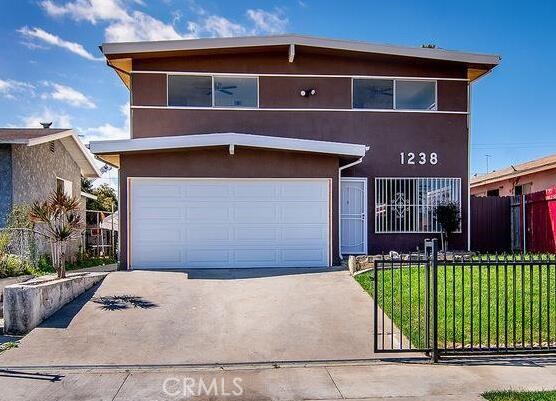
pixel 448 216
pixel 61 221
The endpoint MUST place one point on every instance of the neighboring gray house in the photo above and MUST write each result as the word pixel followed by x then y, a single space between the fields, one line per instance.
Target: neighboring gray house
pixel 35 162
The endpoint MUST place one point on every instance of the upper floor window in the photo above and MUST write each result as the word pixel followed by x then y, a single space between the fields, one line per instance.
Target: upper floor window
pixel 189 90
pixel 235 92
pixel 415 95
pixel 373 93
pixel 394 94
pixel 209 91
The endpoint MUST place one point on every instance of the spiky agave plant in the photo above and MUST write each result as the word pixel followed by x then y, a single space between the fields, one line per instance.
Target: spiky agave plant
pixel 60 219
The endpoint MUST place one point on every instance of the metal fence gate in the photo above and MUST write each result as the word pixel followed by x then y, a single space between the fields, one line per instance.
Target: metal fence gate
pixel 444 304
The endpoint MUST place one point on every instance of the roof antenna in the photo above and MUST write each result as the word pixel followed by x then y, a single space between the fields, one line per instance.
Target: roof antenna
pixel 46 125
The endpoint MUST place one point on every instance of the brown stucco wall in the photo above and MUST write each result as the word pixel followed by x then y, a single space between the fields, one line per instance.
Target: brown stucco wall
pixel 387 134
pixel 218 163
pixel 307 61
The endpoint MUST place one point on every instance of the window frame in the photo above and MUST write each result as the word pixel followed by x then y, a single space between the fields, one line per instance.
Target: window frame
pixel 457 191
pixel 68 184
pixel 213 103
pixel 394 88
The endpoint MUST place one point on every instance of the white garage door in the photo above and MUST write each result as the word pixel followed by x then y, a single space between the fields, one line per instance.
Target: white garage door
pixel 229 223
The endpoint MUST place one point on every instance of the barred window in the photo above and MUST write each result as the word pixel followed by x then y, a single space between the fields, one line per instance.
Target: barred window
pixel 407 205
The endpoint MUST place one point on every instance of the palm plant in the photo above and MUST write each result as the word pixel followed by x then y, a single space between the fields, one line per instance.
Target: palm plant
pixel 60 219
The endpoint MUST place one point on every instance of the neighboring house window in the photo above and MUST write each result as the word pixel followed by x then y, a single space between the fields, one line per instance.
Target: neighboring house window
pixel 394 94
pixel 493 192
pixel 208 91
pixel 523 189
pixel 407 205
pixel 65 186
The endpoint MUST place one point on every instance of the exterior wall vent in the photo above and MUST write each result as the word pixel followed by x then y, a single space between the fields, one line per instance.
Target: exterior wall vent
pixel 52 146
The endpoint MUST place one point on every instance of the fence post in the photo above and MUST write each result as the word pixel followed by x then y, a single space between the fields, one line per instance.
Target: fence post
pixel 434 272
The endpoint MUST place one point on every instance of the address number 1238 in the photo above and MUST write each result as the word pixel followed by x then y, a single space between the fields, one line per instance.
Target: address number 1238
pixel 418 158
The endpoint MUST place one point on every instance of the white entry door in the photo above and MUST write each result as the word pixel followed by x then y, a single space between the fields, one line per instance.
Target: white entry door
pixel 223 223
pixel 353 215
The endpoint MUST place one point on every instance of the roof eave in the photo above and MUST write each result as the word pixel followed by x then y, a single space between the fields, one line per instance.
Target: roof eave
pixel 113 49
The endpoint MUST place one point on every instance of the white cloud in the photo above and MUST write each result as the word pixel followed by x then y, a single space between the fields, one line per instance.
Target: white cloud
pixel 127 25
pixel 68 95
pixel 10 88
pixel 216 26
pixel 58 119
pixel 109 131
pixel 89 10
pixel 42 35
pixel 268 22
pixel 139 27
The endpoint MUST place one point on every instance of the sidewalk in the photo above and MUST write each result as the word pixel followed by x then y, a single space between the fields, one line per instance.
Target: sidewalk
pixel 394 381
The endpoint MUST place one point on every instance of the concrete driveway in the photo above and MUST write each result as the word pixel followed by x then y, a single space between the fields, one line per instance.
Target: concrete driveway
pixel 215 316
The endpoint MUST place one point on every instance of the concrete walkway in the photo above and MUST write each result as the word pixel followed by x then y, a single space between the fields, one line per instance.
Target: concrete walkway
pixel 374 381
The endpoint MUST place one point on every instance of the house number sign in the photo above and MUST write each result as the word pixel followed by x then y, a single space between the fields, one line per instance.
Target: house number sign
pixel 418 158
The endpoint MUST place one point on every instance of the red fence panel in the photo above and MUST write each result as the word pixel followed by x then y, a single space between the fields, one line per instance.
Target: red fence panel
pixel 540 211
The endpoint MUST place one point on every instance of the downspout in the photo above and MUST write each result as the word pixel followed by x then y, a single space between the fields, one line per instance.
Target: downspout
pixel 340 202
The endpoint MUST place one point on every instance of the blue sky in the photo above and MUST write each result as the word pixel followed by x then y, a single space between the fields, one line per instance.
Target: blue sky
pixel 51 67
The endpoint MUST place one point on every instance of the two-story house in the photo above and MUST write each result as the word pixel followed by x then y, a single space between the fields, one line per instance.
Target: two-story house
pixel 288 150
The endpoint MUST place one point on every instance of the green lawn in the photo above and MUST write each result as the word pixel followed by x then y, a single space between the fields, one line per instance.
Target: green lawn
pixel 520 395
pixel 471 309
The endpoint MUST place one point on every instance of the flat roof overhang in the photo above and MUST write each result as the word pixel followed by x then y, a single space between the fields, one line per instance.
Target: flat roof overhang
pixel 119 56
pixel 109 151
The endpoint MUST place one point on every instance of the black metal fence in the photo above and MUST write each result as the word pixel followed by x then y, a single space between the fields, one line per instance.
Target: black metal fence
pixel 448 304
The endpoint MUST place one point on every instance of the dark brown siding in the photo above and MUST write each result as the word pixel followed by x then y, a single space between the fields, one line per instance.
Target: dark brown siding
pixel 148 89
pixel 306 62
pixel 283 92
pixel 452 95
pixel 491 224
pixel 387 134
pixel 218 163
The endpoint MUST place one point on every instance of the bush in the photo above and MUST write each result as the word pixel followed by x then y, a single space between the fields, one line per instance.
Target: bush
pixel 13 265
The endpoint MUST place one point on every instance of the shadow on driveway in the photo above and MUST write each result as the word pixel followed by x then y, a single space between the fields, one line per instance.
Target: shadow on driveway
pixel 238 274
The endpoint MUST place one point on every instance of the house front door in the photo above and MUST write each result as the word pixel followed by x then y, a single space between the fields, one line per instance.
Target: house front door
pixel 353 216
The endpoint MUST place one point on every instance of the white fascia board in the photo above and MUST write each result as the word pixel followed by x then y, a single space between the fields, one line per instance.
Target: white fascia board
pixel 49 138
pixel 88 195
pixel 82 156
pixel 226 139
pixel 301 40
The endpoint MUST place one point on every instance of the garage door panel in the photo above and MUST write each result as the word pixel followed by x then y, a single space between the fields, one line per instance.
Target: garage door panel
pixel 208 190
pixel 304 191
pixel 302 256
pixel 153 189
pixel 256 190
pixel 249 233
pixel 207 257
pixel 203 233
pixel 303 213
pixel 208 212
pixel 229 223
pixel 159 231
pixel 256 257
pixel 149 211
pixel 250 212
pixel 304 232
